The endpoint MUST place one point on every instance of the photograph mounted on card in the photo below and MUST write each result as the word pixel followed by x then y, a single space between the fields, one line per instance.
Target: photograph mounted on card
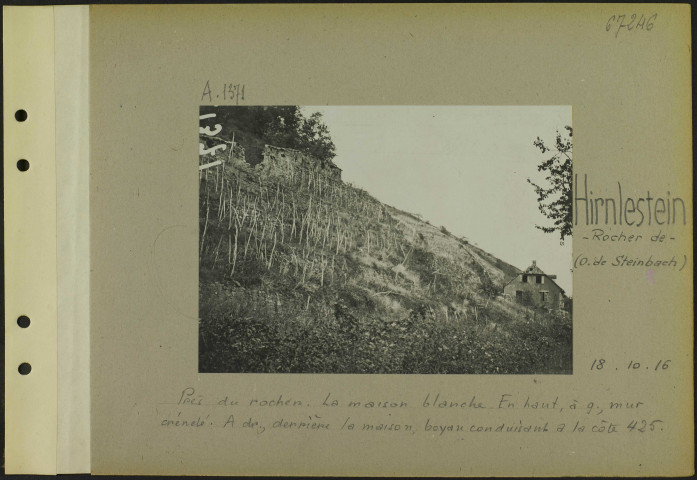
pixel 317 253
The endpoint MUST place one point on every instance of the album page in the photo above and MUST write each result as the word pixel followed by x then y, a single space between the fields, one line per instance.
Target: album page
pixel 394 240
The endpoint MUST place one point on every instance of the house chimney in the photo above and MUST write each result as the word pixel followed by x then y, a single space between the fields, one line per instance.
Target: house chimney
pixel 534 263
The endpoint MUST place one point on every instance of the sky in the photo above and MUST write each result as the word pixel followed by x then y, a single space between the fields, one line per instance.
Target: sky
pixel 462 167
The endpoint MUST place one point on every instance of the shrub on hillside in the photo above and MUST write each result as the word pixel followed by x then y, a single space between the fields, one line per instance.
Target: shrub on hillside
pixel 239 335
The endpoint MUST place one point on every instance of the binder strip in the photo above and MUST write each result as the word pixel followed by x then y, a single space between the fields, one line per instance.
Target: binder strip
pixel 30 241
pixel 72 232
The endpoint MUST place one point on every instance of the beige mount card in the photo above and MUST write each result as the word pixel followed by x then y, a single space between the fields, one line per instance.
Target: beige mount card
pixel 376 240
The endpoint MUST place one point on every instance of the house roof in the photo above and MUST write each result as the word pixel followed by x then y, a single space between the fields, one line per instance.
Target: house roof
pixel 535 270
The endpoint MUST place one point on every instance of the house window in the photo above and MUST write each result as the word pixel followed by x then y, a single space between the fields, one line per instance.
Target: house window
pixel 538 278
pixel 544 295
pixel 525 279
pixel 519 294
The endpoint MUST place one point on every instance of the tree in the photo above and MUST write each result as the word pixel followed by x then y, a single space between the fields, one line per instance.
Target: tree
pixel 281 128
pixel 555 199
pixel 314 137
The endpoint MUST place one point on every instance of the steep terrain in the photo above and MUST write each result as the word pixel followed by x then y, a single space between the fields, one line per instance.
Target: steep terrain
pixel 300 272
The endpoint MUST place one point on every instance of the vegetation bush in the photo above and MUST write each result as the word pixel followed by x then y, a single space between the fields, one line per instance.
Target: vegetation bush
pixel 238 336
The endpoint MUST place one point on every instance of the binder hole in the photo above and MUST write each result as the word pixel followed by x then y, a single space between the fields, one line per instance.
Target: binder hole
pixel 23 321
pixel 24 368
pixel 21 115
pixel 22 165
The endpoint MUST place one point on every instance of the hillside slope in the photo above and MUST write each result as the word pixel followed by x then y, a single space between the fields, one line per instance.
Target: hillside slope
pixel 303 273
